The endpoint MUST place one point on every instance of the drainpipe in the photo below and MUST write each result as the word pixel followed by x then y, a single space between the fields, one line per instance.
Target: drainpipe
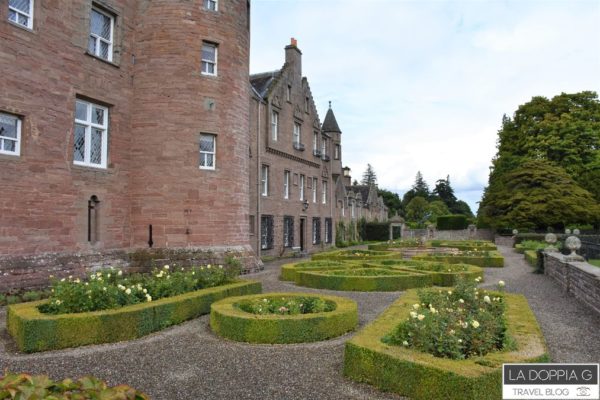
pixel 258 176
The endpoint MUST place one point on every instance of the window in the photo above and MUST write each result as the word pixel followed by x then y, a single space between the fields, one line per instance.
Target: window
pixel 306 103
pixel 100 42
pixel 314 189
pixel 324 192
pixel 21 12
pixel 324 147
pixel 209 59
pixel 336 152
pixel 316 230
pixel 301 187
pixel 210 5
pixel 286 184
pixel 10 134
pixel 315 142
pixel 266 232
pixel 90 145
pixel 288 94
pixel 93 219
pixel 328 226
pixel 288 231
pixel 208 151
pixel 274 125
pixel 296 133
pixel 264 180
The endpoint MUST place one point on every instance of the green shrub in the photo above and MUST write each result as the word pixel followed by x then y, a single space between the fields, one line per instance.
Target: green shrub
pixel 23 386
pixel 285 305
pixel 12 299
pixel 531 257
pixel 356 255
pixel 109 289
pixel 457 324
pixel 421 376
pixel 377 231
pixel 32 296
pixel 229 321
pixel 474 245
pixel 34 331
pixel 452 222
pixel 485 259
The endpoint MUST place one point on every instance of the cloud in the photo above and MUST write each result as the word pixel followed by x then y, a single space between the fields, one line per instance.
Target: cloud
pixel 423 85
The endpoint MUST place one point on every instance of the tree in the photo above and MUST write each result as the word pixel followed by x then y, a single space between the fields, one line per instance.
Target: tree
pixel 392 202
pixel 369 177
pixel 444 191
pixel 435 209
pixel 461 207
pixel 420 187
pixel 564 130
pixel 416 210
pixel 536 195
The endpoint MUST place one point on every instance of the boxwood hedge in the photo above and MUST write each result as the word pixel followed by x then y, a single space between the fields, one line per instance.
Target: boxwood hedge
pixel 422 376
pixel 464 244
pixel 531 257
pixel 359 255
pixel 230 322
pixel 487 259
pixel 34 331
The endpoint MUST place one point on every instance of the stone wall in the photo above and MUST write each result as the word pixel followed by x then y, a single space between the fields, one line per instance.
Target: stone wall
pixel 464 234
pixel 579 279
pixel 34 272
pixel 508 241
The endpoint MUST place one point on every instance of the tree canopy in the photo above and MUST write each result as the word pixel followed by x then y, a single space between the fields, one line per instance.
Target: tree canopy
pixel 537 194
pixel 417 209
pixel 560 135
pixel 392 202
pixel 369 177
pixel 444 192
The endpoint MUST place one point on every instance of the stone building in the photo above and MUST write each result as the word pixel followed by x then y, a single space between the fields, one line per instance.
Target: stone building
pixel 294 163
pixel 124 126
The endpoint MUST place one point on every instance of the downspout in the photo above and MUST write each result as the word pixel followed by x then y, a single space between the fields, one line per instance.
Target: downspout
pixel 258 176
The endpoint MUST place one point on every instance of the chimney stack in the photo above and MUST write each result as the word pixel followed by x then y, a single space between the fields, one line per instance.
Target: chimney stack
pixel 346 178
pixel 293 57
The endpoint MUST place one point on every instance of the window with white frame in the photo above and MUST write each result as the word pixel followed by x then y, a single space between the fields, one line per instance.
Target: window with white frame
pixel 324 195
pixel 90 144
pixel 102 27
pixel 274 125
pixel 210 5
pixel 21 12
pixel 301 184
pixel 208 151
pixel 336 152
pixel 314 189
pixel 209 59
pixel 264 180
pixel 324 147
pixel 286 184
pixel 316 141
pixel 10 134
pixel 296 133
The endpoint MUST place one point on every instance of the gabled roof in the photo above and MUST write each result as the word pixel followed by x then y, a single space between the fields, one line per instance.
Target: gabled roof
pixel 330 124
pixel 262 82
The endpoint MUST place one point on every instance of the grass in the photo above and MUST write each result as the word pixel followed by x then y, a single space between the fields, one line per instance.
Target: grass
pixel 595 263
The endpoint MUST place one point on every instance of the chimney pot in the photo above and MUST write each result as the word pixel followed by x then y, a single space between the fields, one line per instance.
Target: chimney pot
pixel 294 42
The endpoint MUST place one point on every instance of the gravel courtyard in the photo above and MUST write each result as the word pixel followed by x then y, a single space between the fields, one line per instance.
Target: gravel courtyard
pixel 188 362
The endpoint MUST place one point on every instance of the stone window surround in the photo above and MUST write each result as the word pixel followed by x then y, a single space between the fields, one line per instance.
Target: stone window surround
pixel 264 180
pixel 211 5
pixel 205 152
pixel 88 126
pixel 286 184
pixel 206 62
pixel 17 140
pixel 111 41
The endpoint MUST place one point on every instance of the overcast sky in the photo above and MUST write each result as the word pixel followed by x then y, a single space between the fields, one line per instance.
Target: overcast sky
pixel 422 85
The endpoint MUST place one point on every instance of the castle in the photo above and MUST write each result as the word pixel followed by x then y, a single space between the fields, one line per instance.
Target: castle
pixel 129 131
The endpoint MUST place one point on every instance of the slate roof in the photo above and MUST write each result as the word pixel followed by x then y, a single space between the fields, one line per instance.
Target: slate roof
pixel 262 82
pixel 330 124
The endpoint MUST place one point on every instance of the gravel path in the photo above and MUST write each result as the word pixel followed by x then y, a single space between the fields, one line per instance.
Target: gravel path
pixel 571 329
pixel 188 362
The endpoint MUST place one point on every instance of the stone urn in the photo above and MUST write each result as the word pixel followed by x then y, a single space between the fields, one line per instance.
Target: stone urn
pixel 573 243
pixel 551 239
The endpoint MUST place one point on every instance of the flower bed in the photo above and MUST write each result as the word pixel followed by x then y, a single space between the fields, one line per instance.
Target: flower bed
pixel 23 386
pixel 396 244
pixel 360 255
pixel 485 259
pixel 34 331
pixel 420 375
pixel 377 275
pixel 283 317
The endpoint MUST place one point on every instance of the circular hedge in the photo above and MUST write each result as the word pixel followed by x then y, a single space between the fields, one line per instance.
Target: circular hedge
pixel 228 320
pixel 357 255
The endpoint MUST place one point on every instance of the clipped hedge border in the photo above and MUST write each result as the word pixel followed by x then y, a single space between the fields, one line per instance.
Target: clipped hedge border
pixel 232 323
pixel 464 244
pixel 34 331
pixel 493 260
pixel 314 274
pixel 531 257
pixel 349 255
pixel 422 376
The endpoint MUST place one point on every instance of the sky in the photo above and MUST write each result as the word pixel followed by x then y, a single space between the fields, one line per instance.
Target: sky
pixel 423 85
